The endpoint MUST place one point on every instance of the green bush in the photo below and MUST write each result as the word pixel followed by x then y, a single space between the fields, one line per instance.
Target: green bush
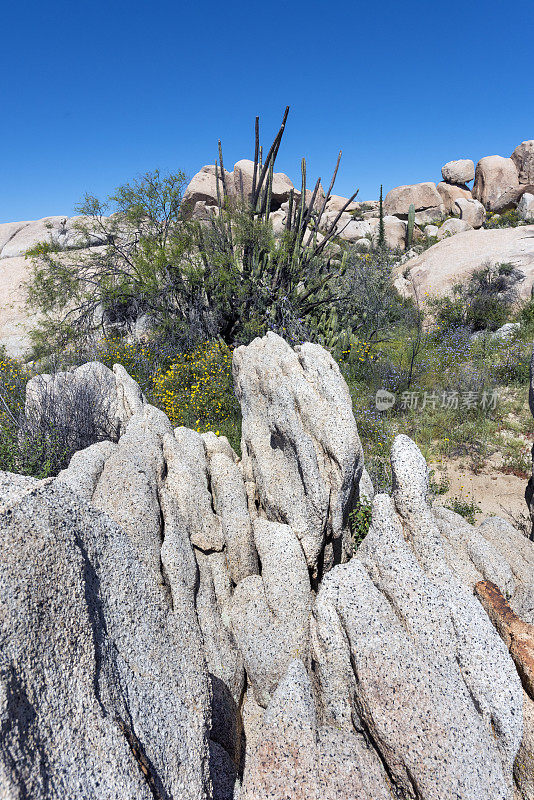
pixel 483 302
pixel 526 316
pixel 227 277
pixel 24 448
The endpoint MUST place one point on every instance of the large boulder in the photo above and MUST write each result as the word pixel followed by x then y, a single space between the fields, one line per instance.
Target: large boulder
pixel 471 211
pixel 453 259
pixel 202 189
pixel 15 321
pixel 453 226
pixel 337 203
pixel 523 158
pixel 302 457
pixel 353 230
pixel 494 177
pixel 8 230
pixel 15 239
pixel 104 686
pixel 394 231
pixel 461 171
pixel 65 232
pixel 512 197
pixel 424 196
pixel 244 178
pixel 281 189
pixel 449 193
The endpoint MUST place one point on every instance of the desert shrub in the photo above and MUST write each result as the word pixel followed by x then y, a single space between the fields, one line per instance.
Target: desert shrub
pixel 226 277
pixel 512 362
pixel 483 302
pixel 143 360
pixel 525 317
pixel 517 458
pixel 39 445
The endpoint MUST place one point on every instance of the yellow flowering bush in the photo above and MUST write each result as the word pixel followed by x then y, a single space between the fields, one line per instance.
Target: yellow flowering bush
pixel 197 390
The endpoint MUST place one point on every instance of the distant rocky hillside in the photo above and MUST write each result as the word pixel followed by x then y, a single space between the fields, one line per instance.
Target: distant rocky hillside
pixel 499 184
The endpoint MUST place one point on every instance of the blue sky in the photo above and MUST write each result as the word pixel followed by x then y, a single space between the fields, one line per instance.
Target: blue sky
pixel 94 94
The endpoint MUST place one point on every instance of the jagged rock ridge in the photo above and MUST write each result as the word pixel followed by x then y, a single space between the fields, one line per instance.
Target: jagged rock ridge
pixel 201 620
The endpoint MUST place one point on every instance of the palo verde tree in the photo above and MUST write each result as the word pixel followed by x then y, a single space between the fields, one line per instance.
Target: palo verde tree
pixel 83 292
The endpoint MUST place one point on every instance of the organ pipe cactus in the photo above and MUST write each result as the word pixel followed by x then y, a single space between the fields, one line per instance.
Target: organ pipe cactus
pixel 298 274
pixel 300 212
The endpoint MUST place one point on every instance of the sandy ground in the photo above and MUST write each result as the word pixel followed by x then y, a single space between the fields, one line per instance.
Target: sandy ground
pixel 497 494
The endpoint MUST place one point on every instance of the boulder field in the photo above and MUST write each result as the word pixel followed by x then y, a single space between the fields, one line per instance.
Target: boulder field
pixel 499 184
pixel 181 622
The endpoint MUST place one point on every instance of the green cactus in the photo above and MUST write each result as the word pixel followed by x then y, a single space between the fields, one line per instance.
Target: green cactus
pixel 411 223
pixel 381 242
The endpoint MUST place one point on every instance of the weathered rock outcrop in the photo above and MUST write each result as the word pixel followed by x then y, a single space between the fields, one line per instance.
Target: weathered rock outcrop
pixel 103 687
pixel 424 197
pixel 523 158
pixel 302 457
pixel 203 620
pixel 414 690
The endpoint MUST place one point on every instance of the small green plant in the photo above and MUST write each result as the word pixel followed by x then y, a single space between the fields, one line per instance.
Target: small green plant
pixel 360 522
pixel 438 487
pixel 526 316
pixel 467 509
pixel 517 460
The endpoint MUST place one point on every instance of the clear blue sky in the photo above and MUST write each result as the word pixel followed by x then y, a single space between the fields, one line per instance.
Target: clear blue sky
pixel 94 93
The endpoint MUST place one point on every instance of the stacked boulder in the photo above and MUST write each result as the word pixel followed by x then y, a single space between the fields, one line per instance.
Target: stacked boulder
pixel 433 203
pixel 207 188
pixel 499 184
pixel 179 622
